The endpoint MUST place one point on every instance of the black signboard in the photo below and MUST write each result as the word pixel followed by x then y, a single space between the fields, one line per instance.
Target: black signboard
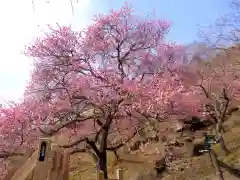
pixel 208 141
pixel 42 154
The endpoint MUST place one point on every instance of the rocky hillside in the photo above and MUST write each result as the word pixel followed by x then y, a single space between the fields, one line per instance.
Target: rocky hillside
pixel 184 164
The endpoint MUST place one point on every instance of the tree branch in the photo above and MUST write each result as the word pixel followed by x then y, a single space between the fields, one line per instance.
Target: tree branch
pixel 234 171
pixel 74 143
pixel 83 139
pixel 93 146
pixel 226 104
pixel 10 154
pixel 50 132
pixel 77 150
pixel 114 148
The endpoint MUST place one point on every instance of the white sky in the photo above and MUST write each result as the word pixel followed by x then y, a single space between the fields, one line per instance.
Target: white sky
pixel 19 23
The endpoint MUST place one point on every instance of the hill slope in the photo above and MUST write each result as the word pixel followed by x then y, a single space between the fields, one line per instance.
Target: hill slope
pixel 185 168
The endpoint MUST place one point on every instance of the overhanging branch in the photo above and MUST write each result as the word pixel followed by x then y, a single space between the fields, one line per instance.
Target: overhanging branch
pixel 58 127
pixel 116 147
pixel 74 143
pixel 10 154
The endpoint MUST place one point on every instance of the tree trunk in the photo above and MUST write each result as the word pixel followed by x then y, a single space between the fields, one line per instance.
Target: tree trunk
pixel 232 170
pixel 220 138
pixel 102 164
pixel 223 145
pixel 102 153
pixel 216 165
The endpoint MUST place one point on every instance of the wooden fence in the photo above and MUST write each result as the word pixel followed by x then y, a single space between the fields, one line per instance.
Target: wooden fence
pixel 49 163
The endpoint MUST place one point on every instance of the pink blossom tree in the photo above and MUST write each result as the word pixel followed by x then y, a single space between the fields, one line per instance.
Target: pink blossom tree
pixel 89 84
pixel 216 88
pixel 17 133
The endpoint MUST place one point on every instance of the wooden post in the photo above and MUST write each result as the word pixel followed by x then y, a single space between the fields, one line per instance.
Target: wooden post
pixel 54 173
pixel 119 174
pixel 44 160
pixel 100 175
pixel 65 165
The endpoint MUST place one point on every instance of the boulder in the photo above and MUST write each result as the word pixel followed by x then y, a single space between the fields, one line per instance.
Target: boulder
pixel 197 150
pixel 136 145
pixel 160 166
pixel 176 144
pixel 188 139
pixel 153 174
pixel 198 147
pixel 194 124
